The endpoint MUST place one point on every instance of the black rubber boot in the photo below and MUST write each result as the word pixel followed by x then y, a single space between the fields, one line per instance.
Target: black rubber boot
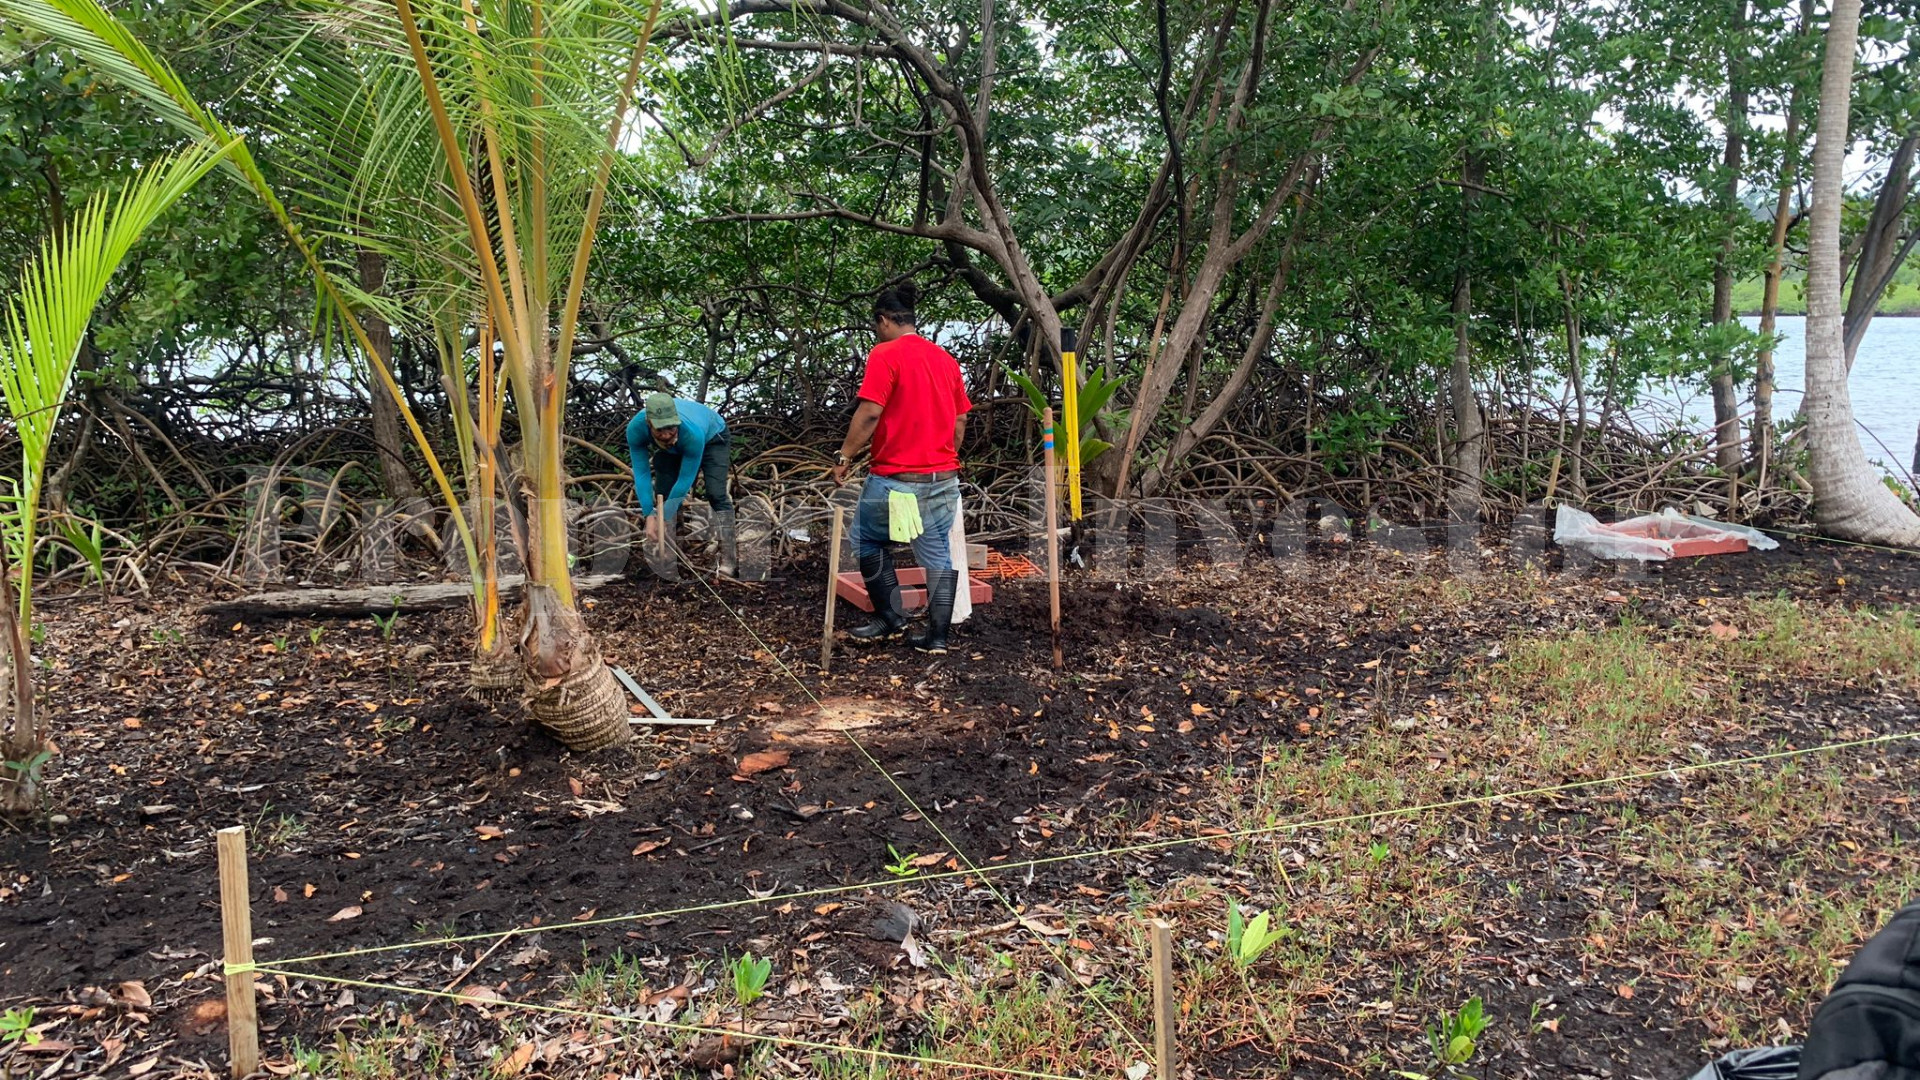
pixel 883 588
pixel 941 585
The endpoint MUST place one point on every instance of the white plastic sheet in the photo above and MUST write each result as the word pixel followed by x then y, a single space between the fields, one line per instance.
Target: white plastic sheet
pixel 1582 531
pixel 957 550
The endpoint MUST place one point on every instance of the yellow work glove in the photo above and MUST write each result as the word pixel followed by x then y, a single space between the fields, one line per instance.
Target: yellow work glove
pixel 903 517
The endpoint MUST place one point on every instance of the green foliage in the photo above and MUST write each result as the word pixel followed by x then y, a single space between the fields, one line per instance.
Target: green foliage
pixel 901 865
pixel 1094 396
pixel 89 544
pixel 16 1026
pixel 1455 1037
pixel 750 978
pixel 1248 940
pixel 386 623
pixel 46 322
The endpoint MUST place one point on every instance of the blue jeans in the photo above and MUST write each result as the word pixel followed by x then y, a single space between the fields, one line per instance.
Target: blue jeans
pixel 939 501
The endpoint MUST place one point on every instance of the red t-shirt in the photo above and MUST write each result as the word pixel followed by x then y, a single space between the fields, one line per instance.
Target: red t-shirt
pixel 918 387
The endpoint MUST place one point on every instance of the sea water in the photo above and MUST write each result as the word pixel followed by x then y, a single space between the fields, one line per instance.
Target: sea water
pixel 1884 385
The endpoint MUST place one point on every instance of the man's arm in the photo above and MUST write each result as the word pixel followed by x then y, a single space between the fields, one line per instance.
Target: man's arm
pixel 693 443
pixel 959 431
pixel 866 417
pixel 637 440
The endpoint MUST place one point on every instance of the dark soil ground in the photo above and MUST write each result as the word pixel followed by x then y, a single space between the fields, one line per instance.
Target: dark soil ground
pixel 385 807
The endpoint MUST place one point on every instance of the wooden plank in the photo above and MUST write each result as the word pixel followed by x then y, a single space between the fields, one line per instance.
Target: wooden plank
pixel 1166 1056
pixel 372 599
pixel 236 932
pixel 833 585
pixel 1053 536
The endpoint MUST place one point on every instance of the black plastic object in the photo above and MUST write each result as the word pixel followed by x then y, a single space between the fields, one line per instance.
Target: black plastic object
pixel 1763 1063
pixel 1869 1026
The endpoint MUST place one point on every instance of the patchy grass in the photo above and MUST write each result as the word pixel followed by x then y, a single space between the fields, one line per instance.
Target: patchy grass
pixel 1737 892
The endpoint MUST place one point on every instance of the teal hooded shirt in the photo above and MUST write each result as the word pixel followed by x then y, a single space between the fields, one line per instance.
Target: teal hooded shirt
pixel 698 426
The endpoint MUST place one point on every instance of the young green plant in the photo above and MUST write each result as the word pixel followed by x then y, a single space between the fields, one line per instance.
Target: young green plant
pixel 902 865
pixel 43 328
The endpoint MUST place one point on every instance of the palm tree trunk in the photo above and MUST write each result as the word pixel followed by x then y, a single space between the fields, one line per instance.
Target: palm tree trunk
pixel 1726 400
pixel 1850 501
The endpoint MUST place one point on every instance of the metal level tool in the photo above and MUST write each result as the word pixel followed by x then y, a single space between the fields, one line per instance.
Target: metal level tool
pixel 660 715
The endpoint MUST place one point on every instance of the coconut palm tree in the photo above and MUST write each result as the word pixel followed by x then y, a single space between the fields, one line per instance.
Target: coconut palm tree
pixel 1850 501
pixel 45 325
pixel 526 102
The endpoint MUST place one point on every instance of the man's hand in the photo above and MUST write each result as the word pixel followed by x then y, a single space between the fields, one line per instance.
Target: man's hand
pixel 655 529
pixel 840 472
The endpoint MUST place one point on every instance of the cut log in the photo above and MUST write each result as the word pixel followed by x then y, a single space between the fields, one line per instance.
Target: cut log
pixel 376 599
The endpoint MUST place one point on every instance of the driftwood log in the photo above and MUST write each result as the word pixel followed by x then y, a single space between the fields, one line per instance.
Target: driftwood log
pixel 374 599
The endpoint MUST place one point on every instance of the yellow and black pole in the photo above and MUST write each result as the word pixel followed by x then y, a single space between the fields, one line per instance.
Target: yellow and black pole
pixel 1070 407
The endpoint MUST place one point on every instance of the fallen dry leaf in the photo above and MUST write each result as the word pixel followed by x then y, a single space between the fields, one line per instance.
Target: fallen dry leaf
pixel 308 890
pixel 1625 991
pixel 1723 632
pixel 515 1063
pixel 671 993
pixel 764 760
pixel 279 895
pixel 134 995
pixel 351 911
pixel 479 997
pixel 650 845
pixel 489 832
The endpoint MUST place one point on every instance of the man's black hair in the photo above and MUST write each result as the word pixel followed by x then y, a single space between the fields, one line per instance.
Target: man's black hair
pixel 896 302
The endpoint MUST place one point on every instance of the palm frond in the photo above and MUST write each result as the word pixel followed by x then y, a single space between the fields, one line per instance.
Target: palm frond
pixel 46 322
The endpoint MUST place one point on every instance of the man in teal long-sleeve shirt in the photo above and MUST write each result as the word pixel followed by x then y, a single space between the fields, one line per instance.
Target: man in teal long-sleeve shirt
pixel 673 441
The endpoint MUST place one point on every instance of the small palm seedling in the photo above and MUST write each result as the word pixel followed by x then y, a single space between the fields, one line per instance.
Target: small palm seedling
pixel 902 865
pixel 750 976
pixel 280 644
pixel 1379 852
pixel 314 635
pixel 90 545
pixel 386 623
pixel 1248 939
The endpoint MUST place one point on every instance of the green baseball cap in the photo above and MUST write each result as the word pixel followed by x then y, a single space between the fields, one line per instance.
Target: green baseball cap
pixel 661 411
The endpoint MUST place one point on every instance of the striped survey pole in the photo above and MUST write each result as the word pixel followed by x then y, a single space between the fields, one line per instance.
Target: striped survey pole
pixel 1070 405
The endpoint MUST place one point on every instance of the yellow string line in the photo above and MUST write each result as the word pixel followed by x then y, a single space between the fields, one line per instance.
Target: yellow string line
pixel 1059 955
pixel 1818 538
pixel 1130 849
pixel 641 1021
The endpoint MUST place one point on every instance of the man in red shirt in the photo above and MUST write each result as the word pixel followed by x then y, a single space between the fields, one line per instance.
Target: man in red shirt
pixel 913 406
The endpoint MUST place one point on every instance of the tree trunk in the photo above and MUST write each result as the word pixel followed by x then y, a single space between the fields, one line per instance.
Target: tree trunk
pixel 1468 452
pixel 1850 501
pixel 1726 400
pixel 1763 379
pixel 389 438
pixel 1881 254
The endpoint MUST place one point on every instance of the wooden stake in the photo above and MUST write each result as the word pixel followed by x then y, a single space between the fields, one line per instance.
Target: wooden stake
pixel 659 554
pixel 1053 535
pixel 833 584
pixel 1166 1059
pixel 236 931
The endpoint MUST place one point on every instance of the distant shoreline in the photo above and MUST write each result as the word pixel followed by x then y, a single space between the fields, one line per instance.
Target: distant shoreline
pixel 1802 314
